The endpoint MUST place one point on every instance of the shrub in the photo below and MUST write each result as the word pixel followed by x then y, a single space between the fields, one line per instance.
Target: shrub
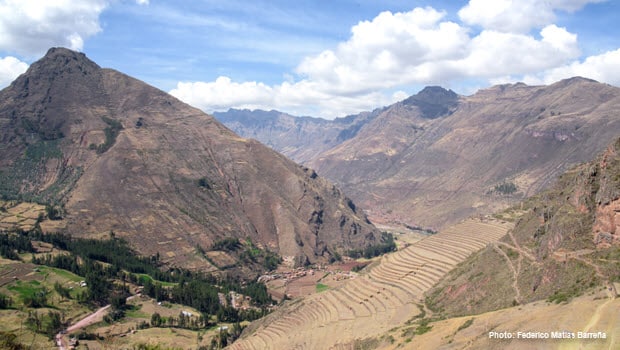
pixel 506 188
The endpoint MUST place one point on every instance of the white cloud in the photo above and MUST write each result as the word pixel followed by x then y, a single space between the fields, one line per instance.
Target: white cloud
pixel 492 54
pixel 516 16
pixel 604 68
pixel 301 98
pixel 142 2
pixel 223 93
pixel 30 27
pixel 10 68
pixel 394 49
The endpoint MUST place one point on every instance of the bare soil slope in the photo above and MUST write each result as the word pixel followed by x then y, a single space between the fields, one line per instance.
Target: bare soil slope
pixel 593 313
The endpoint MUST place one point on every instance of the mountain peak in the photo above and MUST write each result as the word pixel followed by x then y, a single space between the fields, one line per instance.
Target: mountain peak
pixel 59 60
pixel 573 81
pixel 433 101
pixel 62 51
pixel 61 78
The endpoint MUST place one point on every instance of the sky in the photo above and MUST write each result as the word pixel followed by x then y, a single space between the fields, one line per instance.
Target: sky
pixel 327 58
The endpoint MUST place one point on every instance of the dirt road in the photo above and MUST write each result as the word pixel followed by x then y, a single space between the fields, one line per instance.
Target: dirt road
pixel 95 317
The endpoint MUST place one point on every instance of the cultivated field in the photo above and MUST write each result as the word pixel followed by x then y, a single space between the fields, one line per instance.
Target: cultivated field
pixel 19 216
pixel 381 299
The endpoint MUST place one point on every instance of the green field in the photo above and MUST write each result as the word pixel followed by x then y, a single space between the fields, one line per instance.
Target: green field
pixel 320 287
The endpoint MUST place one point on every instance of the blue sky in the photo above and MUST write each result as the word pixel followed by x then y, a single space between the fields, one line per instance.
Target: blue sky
pixel 319 58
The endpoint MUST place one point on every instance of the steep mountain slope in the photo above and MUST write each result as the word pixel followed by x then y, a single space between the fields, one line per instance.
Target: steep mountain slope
pixel 115 154
pixel 566 240
pixel 476 155
pixel 299 138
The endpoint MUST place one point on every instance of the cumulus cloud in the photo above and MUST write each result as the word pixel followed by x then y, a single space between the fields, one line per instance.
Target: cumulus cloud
pixel 390 49
pixel 142 2
pixel 492 53
pixel 10 68
pixel 223 93
pixel 418 47
pixel 30 27
pixel 516 16
pixel 604 67
pixel 301 98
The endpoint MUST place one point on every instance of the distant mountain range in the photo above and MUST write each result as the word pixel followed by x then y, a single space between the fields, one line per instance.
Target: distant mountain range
pixel 299 138
pixel 437 157
pixel 112 154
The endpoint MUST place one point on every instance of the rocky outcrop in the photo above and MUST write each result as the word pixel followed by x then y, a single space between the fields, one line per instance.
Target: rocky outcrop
pixel 606 228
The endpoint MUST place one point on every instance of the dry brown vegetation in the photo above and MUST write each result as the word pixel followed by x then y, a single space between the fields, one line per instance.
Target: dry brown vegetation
pixel 597 313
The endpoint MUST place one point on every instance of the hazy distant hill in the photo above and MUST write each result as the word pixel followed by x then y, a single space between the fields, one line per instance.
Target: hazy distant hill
pixel 114 154
pixel 299 138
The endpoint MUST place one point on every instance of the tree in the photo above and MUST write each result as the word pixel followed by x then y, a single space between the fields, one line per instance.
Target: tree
pixel 52 323
pixel 64 293
pixel 37 299
pixel 97 287
pixel 156 320
pixel 5 301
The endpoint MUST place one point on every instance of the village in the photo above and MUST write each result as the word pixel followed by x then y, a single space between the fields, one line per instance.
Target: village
pixel 288 282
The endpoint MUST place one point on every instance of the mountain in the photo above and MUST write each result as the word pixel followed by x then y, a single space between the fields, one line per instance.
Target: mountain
pixel 299 138
pixel 437 157
pixel 430 166
pixel 110 153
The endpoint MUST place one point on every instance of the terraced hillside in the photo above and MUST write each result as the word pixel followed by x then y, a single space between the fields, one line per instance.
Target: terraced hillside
pixel 384 297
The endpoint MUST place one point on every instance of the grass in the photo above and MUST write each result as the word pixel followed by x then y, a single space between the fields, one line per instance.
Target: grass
pixel 45 270
pixel 420 315
pixel 135 311
pixel 111 132
pixel 143 277
pixel 423 326
pixel 26 289
pixel 320 287
pixel 43 150
pixel 366 344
